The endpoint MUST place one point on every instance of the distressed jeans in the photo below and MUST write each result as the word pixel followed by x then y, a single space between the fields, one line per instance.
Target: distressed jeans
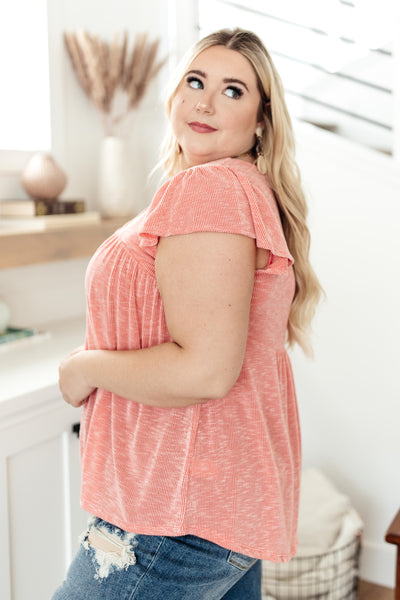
pixel 112 564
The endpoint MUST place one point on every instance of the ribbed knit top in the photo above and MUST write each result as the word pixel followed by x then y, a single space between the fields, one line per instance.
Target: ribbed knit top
pixel 226 470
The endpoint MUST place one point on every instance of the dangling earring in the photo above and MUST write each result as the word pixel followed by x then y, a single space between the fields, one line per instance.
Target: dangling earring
pixel 261 160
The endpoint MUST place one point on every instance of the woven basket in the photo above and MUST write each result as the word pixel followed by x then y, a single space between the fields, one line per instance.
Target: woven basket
pixel 329 576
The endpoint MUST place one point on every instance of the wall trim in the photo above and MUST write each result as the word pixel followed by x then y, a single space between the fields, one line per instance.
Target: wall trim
pixel 378 563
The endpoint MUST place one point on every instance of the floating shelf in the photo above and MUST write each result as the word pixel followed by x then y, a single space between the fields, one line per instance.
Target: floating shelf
pixel 20 248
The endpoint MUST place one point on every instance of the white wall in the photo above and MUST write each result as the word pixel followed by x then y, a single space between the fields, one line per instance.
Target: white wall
pixel 349 395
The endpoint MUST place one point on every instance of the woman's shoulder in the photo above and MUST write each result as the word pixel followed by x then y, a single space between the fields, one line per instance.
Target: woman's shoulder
pixel 222 174
pixel 221 166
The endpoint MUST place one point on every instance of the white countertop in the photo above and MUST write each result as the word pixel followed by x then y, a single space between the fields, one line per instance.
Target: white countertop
pixel 30 372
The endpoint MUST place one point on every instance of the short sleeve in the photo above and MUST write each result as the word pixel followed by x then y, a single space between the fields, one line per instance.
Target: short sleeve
pixel 216 198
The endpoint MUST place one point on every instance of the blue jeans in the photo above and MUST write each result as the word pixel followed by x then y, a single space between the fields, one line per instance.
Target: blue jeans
pixel 112 564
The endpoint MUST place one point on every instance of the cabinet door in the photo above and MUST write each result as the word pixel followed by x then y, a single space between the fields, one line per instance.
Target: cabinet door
pixel 39 494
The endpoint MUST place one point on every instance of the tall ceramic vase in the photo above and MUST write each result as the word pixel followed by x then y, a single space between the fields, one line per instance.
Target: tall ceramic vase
pixel 116 192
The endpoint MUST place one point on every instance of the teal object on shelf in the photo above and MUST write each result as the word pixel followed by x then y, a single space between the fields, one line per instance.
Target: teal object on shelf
pixel 13 333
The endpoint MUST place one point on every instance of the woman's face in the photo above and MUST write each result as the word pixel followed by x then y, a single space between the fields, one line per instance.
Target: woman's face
pixel 214 111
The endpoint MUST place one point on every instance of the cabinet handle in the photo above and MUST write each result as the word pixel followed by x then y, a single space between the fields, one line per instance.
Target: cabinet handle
pixel 76 428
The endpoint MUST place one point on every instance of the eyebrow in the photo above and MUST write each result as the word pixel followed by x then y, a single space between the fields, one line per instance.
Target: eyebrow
pixel 225 80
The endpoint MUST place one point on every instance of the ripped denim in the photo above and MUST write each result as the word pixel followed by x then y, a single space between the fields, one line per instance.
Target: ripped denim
pixel 112 564
pixel 112 548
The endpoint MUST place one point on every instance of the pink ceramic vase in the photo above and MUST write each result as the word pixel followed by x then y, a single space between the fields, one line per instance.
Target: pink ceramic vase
pixel 43 178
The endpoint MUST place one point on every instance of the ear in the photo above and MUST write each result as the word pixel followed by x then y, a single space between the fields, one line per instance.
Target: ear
pixel 259 130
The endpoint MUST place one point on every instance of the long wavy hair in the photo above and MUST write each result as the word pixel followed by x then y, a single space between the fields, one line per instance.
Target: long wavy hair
pixel 282 170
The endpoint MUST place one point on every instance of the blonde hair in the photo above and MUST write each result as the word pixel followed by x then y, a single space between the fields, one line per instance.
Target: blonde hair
pixel 282 170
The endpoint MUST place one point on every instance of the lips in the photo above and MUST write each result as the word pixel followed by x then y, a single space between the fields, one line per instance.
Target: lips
pixel 201 127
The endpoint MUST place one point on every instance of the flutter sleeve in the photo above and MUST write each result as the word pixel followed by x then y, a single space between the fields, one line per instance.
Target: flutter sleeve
pixel 216 198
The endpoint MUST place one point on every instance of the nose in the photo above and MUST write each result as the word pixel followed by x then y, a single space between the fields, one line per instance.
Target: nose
pixel 205 104
pixel 202 107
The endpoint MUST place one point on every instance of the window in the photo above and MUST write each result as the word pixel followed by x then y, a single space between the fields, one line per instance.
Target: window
pixel 25 94
pixel 335 58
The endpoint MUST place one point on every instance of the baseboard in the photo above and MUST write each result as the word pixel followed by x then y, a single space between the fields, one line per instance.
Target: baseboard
pixel 378 563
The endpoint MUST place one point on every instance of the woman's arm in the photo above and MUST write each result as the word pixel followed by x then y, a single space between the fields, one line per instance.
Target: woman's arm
pixel 206 283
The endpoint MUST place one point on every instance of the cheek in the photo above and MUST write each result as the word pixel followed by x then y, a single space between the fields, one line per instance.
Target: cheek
pixel 250 119
pixel 178 108
pixel 241 120
pixel 242 130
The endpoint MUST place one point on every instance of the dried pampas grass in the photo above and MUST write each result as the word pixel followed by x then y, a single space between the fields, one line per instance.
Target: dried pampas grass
pixel 113 77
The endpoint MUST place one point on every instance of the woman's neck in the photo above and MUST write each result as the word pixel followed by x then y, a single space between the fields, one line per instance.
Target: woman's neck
pixel 247 157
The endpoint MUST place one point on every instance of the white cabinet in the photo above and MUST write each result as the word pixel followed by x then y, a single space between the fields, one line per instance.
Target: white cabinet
pixel 40 517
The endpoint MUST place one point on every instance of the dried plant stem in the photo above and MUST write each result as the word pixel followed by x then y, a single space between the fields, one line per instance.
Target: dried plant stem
pixel 78 61
pixel 105 69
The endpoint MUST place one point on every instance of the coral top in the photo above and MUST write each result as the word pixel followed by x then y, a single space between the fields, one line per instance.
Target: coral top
pixel 226 470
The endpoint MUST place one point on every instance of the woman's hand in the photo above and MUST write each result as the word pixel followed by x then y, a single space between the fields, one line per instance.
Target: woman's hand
pixel 72 381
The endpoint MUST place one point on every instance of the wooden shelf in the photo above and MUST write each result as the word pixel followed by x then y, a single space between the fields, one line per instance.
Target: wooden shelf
pixel 20 248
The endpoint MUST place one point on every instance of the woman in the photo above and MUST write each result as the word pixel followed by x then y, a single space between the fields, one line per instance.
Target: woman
pixel 190 443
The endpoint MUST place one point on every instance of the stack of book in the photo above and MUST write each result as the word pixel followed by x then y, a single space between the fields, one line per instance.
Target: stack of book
pixel 44 214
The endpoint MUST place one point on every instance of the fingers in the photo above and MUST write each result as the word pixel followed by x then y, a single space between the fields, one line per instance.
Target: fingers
pixel 71 380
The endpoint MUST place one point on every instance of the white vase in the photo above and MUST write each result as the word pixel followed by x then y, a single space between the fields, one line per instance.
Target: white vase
pixel 116 186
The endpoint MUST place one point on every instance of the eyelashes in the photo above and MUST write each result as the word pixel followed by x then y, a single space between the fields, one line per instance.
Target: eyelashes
pixel 237 92
pixel 231 91
pixel 197 83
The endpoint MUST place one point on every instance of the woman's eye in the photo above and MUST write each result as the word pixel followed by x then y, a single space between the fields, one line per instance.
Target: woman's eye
pixel 233 92
pixel 194 83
